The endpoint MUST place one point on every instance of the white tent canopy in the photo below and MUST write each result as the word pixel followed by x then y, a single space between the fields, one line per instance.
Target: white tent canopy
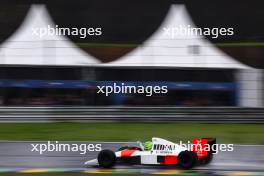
pixel 174 51
pixel 159 50
pixel 26 48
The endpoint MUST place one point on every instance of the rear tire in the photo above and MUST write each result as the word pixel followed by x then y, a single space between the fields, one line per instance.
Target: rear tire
pixel 187 159
pixel 106 158
pixel 206 160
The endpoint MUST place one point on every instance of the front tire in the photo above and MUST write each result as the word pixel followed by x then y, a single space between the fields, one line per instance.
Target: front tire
pixel 187 159
pixel 106 159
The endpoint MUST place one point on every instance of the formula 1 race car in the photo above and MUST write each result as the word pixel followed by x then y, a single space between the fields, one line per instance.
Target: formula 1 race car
pixel 158 152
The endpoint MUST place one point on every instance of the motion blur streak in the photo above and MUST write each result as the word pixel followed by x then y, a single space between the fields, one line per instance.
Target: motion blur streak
pixel 18 155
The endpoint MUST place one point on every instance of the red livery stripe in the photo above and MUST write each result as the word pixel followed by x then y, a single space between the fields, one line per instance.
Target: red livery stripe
pixel 170 160
pixel 127 153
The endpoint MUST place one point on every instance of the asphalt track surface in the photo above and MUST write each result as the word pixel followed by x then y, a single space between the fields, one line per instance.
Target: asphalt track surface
pixel 14 155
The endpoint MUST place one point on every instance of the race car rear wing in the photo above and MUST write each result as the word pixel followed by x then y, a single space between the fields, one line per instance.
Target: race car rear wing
pixel 204 147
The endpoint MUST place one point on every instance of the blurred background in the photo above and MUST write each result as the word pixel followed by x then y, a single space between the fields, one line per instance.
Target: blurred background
pixel 215 85
pixel 198 70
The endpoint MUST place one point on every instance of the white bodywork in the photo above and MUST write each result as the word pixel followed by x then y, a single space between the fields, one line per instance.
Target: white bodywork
pixel 160 147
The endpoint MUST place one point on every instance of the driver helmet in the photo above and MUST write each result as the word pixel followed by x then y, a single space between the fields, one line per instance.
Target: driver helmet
pixel 148 145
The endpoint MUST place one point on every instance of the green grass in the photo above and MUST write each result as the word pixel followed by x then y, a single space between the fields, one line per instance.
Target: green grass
pixel 240 44
pixel 225 133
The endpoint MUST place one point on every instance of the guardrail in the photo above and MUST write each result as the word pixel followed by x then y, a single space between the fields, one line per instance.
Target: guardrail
pixel 132 114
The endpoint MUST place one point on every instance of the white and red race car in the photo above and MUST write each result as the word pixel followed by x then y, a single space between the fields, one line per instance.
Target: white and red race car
pixel 162 152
